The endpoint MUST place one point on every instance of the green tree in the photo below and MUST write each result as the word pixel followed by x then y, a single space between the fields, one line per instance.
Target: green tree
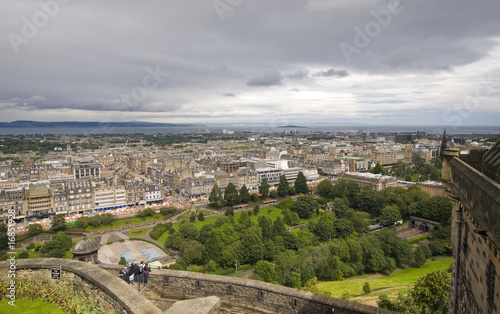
pixel 345 188
pixel 244 194
pixel 301 184
pixel 231 195
pixel 194 253
pixel 264 188
pixel 215 197
pixel 269 250
pixel 340 206
pixel 360 220
pixel 325 188
pixel 389 215
pixel 343 228
pixel 273 194
pixel 122 261
pixel 200 216
pixel 266 225
pixel 366 288
pixel 189 231
pixel 420 257
pixel 58 222
pixel 4 238
pixel 229 211
pixel 283 186
pixel 304 206
pixel 251 245
pixel 432 291
pixel 34 229
pixel 265 271
pixel 292 191
pixel 324 227
pixel 379 169
pixel 254 197
pixel 256 210
pixel 213 248
pixel 278 227
pixel 290 218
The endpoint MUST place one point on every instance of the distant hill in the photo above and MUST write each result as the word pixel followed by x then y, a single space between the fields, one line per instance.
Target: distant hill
pixel 73 124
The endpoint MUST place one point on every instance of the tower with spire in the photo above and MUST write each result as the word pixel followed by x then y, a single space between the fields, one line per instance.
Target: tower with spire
pixel 443 145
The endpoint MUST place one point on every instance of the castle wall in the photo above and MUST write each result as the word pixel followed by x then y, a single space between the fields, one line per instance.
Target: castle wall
pixel 245 295
pixel 475 237
pixel 97 283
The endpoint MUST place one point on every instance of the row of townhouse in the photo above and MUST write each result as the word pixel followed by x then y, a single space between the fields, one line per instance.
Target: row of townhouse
pixel 35 201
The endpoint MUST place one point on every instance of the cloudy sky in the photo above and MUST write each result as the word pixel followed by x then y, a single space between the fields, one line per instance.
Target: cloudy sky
pixel 256 61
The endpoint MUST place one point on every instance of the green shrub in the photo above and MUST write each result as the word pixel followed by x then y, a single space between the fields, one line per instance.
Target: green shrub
pixel 23 254
pixel 31 246
pixel 244 267
pixel 109 242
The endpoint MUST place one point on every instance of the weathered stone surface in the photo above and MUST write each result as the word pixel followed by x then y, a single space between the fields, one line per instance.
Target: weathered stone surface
pixel 93 279
pixel 245 295
pixel 208 305
pixel 475 230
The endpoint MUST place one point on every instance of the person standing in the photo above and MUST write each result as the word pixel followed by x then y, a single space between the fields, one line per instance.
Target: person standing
pixel 147 270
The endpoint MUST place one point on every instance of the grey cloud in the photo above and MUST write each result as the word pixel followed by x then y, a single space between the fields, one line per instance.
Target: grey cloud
pixel 298 75
pixel 266 78
pixel 332 73
pixel 228 95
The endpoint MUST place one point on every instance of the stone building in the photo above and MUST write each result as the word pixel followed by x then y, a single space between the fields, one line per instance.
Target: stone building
pixel 11 201
pixel 79 196
pixel 110 197
pixel 198 187
pixel 86 168
pixel 38 202
pixel 136 193
pixel 474 184
pixel 375 182
pixel 152 194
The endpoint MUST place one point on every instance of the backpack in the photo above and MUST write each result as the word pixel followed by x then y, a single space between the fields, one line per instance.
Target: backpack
pixel 141 268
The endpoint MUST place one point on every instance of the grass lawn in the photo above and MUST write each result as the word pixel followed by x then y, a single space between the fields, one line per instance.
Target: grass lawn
pixel 270 212
pixel 28 307
pixel 121 222
pixel 401 278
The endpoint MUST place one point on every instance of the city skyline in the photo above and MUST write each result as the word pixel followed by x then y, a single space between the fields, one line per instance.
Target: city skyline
pixel 284 62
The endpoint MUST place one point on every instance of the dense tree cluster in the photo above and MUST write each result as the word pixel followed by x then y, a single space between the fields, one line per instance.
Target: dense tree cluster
pixel 104 219
pixel 389 205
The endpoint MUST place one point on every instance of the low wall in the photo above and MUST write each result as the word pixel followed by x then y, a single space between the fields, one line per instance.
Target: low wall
pixel 245 294
pixel 100 284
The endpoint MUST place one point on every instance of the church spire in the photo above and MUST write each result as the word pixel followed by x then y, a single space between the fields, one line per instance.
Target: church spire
pixel 443 145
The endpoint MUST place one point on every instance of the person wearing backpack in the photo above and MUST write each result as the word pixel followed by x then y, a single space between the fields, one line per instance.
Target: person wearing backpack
pixel 147 270
pixel 141 272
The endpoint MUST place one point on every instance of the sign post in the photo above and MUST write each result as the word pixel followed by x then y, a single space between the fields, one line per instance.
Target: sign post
pixel 56 272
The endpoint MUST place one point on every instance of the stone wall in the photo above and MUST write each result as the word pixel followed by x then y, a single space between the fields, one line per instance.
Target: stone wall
pixel 245 295
pixel 104 287
pixel 475 235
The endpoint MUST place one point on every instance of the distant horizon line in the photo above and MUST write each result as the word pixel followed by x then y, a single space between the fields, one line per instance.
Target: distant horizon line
pixel 311 123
